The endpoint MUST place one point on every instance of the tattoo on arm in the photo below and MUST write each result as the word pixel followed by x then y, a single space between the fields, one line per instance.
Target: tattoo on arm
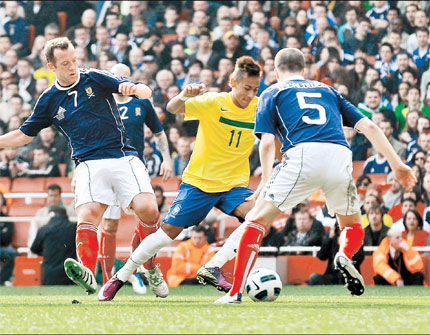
pixel 162 144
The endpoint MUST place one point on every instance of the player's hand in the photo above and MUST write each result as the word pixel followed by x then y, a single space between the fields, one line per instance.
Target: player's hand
pixel 405 175
pixel 166 170
pixel 257 192
pixel 127 88
pixel 192 90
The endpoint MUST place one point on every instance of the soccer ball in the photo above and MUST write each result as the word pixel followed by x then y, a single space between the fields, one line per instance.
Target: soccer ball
pixel 263 285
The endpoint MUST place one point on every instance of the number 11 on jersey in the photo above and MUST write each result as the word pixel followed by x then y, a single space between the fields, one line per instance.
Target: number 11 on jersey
pixel 239 134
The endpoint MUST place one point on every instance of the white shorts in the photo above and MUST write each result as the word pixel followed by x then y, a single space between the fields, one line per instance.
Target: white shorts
pixel 308 167
pixel 111 181
pixel 112 212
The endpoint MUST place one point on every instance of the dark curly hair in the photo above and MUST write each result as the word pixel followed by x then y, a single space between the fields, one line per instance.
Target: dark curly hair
pixel 246 66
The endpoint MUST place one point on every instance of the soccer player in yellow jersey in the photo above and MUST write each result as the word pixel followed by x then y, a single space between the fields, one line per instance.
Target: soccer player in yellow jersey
pixel 216 176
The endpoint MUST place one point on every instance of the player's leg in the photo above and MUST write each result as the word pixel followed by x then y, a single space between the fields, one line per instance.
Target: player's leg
pixel 256 224
pixel 82 272
pixel 145 208
pixel 107 248
pixel 234 203
pixel 190 207
pixel 342 200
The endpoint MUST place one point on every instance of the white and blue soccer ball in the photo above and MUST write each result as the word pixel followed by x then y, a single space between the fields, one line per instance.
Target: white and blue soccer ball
pixel 263 285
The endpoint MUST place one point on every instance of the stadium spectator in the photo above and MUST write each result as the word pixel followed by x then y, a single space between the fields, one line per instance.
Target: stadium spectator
pixel 376 230
pixel 139 32
pixel 164 79
pixel 372 102
pixel 362 38
pixel 347 30
pixel 39 14
pixel 414 233
pixel 307 231
pixel 5 45
pixel 41 165
pixel 55 242
pixel 328 250
pixel 135 57
pixel 163 207
pixel 205 52
pixel 188 257
pixel 393 195
pixel 397 263
pixel 421 55
pixel 7 252
pixel 102 43
pixel 152 161
pixel 388 130
pixel 41 217
pixel 180 162
pixel 16 27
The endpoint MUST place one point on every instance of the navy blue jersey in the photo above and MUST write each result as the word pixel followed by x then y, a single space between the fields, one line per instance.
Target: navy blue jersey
pixel 298 110
pixel 135 113
pixel 86 113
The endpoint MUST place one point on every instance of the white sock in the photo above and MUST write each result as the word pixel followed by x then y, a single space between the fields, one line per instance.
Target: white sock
pixel 228 250
pixel 146 249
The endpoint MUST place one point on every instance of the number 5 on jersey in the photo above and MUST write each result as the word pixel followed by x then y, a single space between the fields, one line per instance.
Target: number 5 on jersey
pixel 303 104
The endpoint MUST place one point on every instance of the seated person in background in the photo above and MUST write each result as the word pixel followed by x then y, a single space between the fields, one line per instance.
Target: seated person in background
pixel 376 229
pixel 163 208
pixel 329 248
pixel 363 182
pixel 184 153
pixel 152 160
pixel 396 263
pixel 55 242
pixel 394 193
pixel 7 252
pixel 308 232
pixel 387 129
pixel 376 164
pixel 188 257
pixel 370 201
pixel 41 166
pixel 9 160
pixel 396 212
pixel 41 218
pixel 414 233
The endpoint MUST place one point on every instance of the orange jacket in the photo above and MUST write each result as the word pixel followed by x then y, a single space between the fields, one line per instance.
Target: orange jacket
pixel 187 260
pixel 412 260
pixel 420 238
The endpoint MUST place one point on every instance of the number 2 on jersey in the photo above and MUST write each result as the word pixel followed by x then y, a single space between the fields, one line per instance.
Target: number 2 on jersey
pixel 239 134
pixel 303 104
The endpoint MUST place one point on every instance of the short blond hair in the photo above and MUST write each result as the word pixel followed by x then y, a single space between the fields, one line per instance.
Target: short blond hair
pixel 62 43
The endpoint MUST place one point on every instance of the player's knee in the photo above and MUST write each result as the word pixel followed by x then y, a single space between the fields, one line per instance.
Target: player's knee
pixel 147 212
pixel 89 214
pixel 110 225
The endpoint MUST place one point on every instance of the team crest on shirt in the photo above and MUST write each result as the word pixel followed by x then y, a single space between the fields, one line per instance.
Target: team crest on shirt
pixel 89 91
pixel 138 111
pixel 60 113
pixel 175 210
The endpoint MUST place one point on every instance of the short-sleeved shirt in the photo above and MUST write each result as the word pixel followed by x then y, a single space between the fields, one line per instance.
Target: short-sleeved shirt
pixel 135 113
pixel 220 158
pixel 298 110
pixel 86 113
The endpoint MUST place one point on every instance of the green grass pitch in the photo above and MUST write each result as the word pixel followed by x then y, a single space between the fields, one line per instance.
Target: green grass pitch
pixel 191 310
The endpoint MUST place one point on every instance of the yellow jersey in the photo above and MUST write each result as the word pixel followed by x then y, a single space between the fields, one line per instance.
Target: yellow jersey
pixel 220 159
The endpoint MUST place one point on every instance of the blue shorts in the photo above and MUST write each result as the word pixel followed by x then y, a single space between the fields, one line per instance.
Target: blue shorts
pixel 192 205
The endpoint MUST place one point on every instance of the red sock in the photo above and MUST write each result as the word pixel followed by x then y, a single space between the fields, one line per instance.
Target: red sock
pixel 247 254
pixel 135 238
pixel 107 253
pixel 351 239
pixel 145 229
pixel 87 245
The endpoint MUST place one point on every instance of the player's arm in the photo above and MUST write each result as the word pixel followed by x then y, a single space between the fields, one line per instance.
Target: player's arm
pixel 15 138
pixel 140 90
pixel 166 169
pixel 402 172
pixel 177 104
pixel 267 150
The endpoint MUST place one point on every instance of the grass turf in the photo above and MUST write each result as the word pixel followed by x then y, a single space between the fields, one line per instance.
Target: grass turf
pixel 190 309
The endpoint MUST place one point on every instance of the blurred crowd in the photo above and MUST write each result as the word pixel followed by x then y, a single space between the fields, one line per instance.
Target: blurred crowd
pixel 375 53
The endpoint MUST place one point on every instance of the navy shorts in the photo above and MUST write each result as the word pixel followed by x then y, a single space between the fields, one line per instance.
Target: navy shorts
pixel 192 205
